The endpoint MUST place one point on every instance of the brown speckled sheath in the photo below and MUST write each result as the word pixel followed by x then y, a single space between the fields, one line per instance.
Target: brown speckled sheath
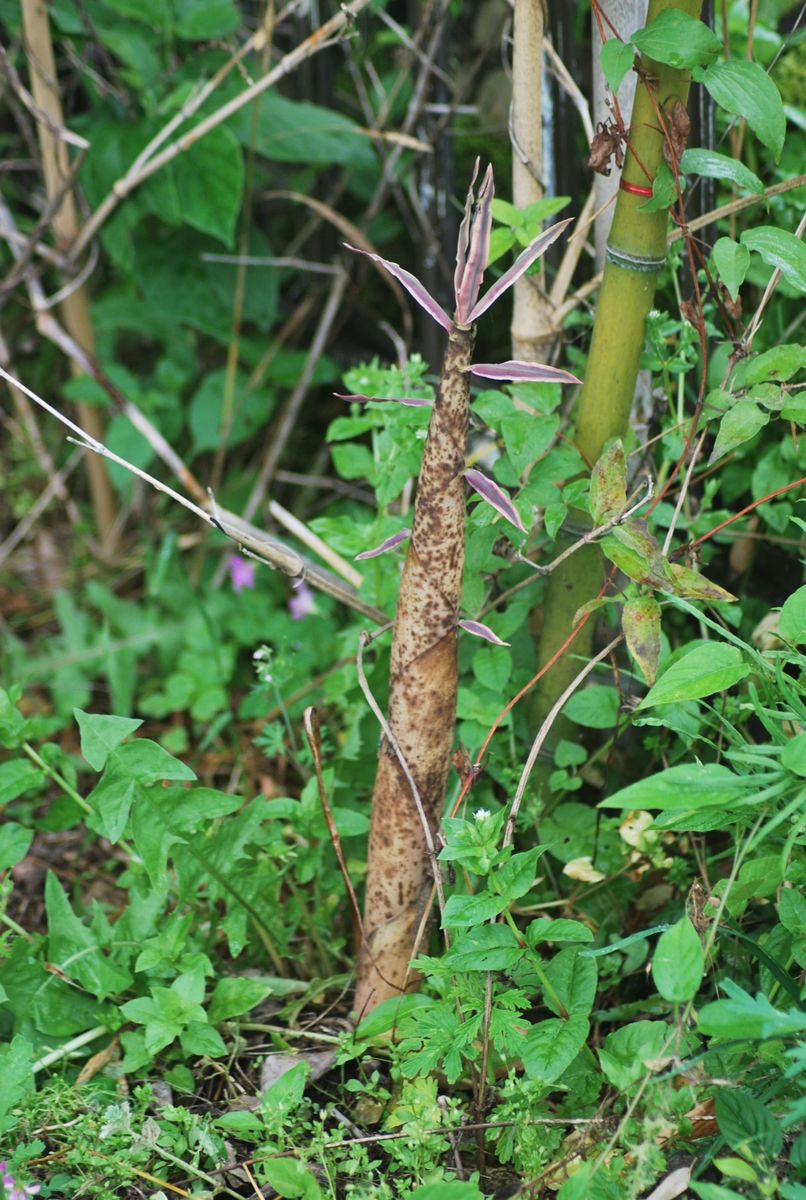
pixel 422 697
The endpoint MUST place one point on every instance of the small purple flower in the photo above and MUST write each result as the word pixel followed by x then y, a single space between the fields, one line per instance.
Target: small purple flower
pixel 13 1190
pixel 303 602
pixel 241 572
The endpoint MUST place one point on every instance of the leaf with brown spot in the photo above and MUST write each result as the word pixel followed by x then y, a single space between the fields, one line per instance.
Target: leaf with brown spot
pixel 608 494
pixel 640 620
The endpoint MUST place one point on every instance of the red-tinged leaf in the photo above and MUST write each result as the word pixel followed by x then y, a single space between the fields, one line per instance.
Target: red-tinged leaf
pixel 389 544
pixel 693 586
pixel 495 496
pixel 469 286
pixel 521 372
pixel 482 631
pixel 608 495
pixel 640 620
pixel 412 285
pixel 408 401
pixel 463 240
pixel 521 264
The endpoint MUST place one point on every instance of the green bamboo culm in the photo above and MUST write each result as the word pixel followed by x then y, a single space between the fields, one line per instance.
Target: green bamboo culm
pixel 636 253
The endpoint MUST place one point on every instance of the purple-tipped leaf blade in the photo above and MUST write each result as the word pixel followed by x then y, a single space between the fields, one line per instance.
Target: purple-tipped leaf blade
pixel 463 240
pixel 408 401
pixel 389 544
pixel 412 285
pixel 521 264
pixel 523 372
pixel 482 631
pixel 469 286
pixel 495 496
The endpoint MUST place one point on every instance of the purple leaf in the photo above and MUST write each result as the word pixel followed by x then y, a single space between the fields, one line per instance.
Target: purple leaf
pixel 412 285
pixel 521 264
pixel 482 631
pixel 409 401
pixel 463 240
pixel 495 496
pixel 389 544
pixel 517 371
pixel 469 285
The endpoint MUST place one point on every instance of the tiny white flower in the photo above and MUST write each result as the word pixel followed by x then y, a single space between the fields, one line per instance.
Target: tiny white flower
pixel 481 814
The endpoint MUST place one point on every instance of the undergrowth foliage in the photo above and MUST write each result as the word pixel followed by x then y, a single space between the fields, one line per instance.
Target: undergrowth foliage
pixel 612 999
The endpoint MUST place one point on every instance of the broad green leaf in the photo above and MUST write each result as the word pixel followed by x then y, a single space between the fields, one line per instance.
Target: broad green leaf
pixel 640 620
pixel 792 621
pixel 792 911
pixel 100 735
pixel 694 586
pixel 286 1093
pixel 595 707
pixel 573 979
pixel 731 260
pixel 112 799
pixel 689 786
pixel 236 995
pixel 486 948
pixel 744 89
pixel 559 929
pixel 706 669
pixel 713 165
pixel 551 1046
pixel 794 754
pixel 678 40
pixel 746 1124
pixel 625 1053
pixel 743 1016
pixel 146 762
pixel 780 249
pixel 664 191
pixel 678 963
pixel 17 776
pixel 291 1178
pixel 739 424
pixel 608 491
pixel 18 1078
pixel 527 437
pixel 73 948
pixel 389 1013
pixel 616 59
pixel 778 364
pixel 209 181
pixel 515 878
pixel 200 1038
pixel 636 552
pixel 447 1189
pixel 297 132
pixel 713 1191
pixel 15 841
pixel 203 20
pixel 472 910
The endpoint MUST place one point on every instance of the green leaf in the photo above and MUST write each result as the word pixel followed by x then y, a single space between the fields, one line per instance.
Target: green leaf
pixel 640 621
pixel 688 786
pixel 713 1191
pixel 100 735
pixel 559 929
pixel 595 707
pixel 742 1016
pixel 709 668
pixel 15 841
pixel 792 910
pixel 678 963
pixel 290 1177
pixel 447 1189
pixel 744 89
pixel 209 181
pixel 739 424
pixel 527 437
pixel 146 762
pixel 515 878
pixel 793 756
pixel 18 1078
pixel 389 1013
pixel 778 364
pixel 792 620
pixel 616 59
pixel 203 20
pixel 664 191
pixel 486 948
pixel 731 260
pixel 780 249
pixel 608 491
pixel 678 40
pixel 691 584
pixel 636 552
pixel 74 950
pixel 236 995
pixel 625 1053
pixel 17 776
pixel 472 910
pixel 573 979
pixel 200 1038
pixel 720 166
pixel 551 1046
pixel 746 1125
pixel 297 132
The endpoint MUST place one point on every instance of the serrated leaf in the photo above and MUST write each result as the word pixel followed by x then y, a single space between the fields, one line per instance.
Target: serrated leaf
pixel 706 669
pixel 780 249
pixel 486 948
pixel 678 40
pixel 608 489
pixel 731 260
pixel 739 424
pixel 616 58
pixel 573 979
pixel 471 910
pixel 678 963
pixel 712 165
pixel 744 89
pixel 640 621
